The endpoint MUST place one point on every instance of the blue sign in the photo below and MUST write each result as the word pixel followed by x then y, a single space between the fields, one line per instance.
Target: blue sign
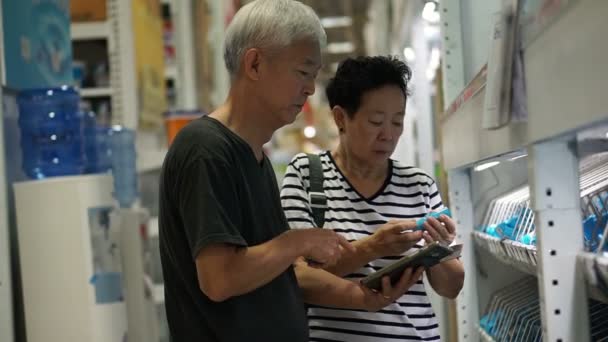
pixel 37 43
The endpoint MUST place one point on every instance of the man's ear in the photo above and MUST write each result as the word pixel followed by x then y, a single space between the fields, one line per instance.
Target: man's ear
pixel 340 117
pixel 251 64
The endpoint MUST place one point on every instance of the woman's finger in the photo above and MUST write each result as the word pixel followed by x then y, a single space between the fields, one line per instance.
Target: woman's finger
pixel 432 232
pixel 449 223
pixel 440 228
pixel 387 288
pixel 404 282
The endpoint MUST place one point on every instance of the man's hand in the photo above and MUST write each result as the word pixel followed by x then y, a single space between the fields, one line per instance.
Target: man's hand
pixel 322 247
pixel 390 239
pixel 374 301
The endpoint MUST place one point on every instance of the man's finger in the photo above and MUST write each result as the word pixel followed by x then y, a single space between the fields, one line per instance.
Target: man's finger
pixel 410 236
pixel 399 226
pixel 427 237
pixel 343 242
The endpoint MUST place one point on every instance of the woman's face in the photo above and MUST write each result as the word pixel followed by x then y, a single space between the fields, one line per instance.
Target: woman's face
pixel 374 130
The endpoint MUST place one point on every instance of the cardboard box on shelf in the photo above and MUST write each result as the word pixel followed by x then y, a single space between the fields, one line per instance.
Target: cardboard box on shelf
pixel 88 10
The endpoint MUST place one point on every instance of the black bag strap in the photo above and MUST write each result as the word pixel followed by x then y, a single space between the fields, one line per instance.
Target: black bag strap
pixel 316 193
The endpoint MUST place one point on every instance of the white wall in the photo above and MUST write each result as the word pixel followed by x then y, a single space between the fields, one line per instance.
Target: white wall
pixel 476 21
pixel 6 296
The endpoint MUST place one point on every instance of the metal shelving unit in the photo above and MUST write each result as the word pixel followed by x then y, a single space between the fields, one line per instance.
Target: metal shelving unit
pixel 559 115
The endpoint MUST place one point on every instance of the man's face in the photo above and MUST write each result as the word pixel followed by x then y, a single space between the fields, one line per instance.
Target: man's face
pixel 288 79
pixel 373 132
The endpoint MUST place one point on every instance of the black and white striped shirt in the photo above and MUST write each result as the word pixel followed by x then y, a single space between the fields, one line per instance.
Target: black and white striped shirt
pixel 408 193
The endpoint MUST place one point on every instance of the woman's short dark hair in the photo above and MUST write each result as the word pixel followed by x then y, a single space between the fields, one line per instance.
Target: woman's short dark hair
pixel 356 76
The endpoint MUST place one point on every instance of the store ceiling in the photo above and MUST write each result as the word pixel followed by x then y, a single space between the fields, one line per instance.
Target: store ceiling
pixel 340 37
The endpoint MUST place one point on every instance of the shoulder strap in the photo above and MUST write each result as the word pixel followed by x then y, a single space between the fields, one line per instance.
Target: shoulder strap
pixel 316 194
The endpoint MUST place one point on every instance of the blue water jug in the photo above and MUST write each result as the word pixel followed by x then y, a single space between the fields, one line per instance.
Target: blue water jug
pixel 96 145
pixel 51 132
pixel 122 143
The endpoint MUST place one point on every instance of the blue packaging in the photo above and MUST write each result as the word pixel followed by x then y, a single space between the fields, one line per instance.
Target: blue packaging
pixel 420 222
pixel 97 145
pixel 51 128
pixel 122 144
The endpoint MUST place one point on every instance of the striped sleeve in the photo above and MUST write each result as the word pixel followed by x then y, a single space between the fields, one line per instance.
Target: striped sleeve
pixel 294 196
pixel 435 202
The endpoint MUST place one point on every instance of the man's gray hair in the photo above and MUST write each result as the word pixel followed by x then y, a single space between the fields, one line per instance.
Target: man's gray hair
pixel 269 24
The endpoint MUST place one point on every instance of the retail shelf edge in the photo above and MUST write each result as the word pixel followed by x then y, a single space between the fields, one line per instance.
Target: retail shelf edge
pixel 555 106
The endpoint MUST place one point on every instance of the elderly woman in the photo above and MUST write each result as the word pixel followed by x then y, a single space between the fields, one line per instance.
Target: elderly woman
pixel 372 200
pixel 226 248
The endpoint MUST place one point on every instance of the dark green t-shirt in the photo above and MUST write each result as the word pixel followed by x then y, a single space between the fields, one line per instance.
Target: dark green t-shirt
pixel 213 190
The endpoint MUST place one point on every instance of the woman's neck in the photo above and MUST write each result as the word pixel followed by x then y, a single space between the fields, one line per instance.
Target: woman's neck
pixel 357 168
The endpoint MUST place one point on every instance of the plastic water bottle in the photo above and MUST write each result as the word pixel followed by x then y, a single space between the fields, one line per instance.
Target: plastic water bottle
pixel 122 143
pixel 51 132
pixel 96 145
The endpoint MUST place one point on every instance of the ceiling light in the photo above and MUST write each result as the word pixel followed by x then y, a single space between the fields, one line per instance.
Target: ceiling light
pixel 310 132
pixel 332 22
pixel 486 166
pixel 340 47
pixel 431 31
pixel 409 54
pixel 518 157
pixel 429 13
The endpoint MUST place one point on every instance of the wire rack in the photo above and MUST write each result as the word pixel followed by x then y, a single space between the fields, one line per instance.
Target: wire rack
pixel 598 317
pixel 513 315
pixel 508 229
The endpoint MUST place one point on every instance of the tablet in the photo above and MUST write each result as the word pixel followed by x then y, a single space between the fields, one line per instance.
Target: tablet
pixel 428 256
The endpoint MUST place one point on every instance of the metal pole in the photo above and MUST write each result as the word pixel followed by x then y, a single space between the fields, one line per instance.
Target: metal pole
pixel 467 301
pixel 555 195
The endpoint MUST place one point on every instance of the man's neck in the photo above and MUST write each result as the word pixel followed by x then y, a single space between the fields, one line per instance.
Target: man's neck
pixel 243 117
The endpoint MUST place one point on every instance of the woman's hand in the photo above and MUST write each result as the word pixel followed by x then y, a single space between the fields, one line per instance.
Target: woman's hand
pixel 394 238
pixel 374 301
pixel 442 230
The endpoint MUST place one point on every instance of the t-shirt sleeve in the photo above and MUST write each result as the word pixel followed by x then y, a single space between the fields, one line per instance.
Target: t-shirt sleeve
pixel 435 202
pixel 294 197
pixel 208 205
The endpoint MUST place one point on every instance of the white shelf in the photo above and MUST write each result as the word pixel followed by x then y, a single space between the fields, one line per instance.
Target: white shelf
pixel 158 293
pixel 90 30
pixel 485 337
pixel 150 160
pixel 96 92
pixel 171 72
pixel 153 227
pixel 554 109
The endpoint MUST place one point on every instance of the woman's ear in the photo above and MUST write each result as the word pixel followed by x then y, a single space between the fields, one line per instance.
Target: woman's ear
pixel 340 117
pixel 251 64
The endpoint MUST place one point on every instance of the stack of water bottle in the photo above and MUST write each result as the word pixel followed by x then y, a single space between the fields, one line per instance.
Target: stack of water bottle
pixel 57 139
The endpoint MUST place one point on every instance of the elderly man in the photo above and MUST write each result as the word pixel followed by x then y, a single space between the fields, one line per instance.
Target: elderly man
pixel 227 253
